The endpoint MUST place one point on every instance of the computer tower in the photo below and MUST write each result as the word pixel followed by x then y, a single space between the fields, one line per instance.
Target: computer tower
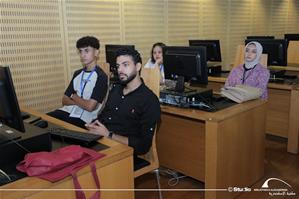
pixel 33 140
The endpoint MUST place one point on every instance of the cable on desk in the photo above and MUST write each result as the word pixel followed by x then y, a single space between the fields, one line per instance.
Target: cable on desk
pixel 19 145
pixel 23 148
pixel 4 174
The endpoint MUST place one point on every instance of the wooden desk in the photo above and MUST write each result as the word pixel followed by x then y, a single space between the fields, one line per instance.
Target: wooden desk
pixel 115 171
pixel 282 112
pixel 222 149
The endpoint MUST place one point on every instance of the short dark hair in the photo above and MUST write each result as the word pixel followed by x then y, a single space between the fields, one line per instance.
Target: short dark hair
pixel 86 41
pixel 129 52
pixel 154 45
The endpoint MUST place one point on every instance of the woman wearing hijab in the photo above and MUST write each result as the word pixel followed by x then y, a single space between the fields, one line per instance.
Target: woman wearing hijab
pixel 251 73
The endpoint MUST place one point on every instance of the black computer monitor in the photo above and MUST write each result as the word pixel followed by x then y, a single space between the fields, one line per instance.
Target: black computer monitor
pixel 260 37
pixel 213 48
pixel 276 50
pixel 189 62
pixel 10 113
pixel 110 50
pixel 291 37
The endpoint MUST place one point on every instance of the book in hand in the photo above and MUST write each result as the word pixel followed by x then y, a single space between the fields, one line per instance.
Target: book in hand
pixel 241 93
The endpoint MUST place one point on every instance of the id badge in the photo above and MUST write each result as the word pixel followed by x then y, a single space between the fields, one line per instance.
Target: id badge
pixel 76 112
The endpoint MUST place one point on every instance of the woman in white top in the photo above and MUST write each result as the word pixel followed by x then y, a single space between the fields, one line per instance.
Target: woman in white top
pixel 157 59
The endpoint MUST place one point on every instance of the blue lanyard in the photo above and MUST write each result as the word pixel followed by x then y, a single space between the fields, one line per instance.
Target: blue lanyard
pixel 84 82
pixel 161 67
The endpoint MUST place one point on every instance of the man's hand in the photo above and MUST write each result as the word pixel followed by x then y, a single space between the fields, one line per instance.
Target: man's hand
pixel 67 101
pixel 74 96
pixel 97 127
pixel 88 105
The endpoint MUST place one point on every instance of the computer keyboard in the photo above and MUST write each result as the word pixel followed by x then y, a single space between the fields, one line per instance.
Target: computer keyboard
pixel 77 136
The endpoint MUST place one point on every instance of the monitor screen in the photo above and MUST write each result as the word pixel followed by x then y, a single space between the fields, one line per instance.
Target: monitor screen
pixel 260 37
pixel 276 50
pixel 213 48
pixel 291 37
pixel 10 113
pixel 189 62
pixel 110 50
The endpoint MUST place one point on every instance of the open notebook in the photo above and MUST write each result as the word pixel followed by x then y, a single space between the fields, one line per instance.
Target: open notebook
pixel 241 93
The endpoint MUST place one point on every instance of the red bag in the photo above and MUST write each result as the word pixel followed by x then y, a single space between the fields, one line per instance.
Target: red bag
pixel 58 164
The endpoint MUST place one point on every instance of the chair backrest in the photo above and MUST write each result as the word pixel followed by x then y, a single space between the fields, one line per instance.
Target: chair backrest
pixel 293 51
pixel 105 67
pixel 151 78
pixel 264 60
pixel 239 58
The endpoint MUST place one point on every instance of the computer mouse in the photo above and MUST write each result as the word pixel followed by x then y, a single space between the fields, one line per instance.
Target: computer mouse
pixel 41 123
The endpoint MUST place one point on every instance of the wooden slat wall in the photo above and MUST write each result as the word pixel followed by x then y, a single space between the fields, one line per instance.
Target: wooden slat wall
pixel 38 36
pixel 182 21
pixel 239 20
pixel 31 43
pixel 260 17
pixel 293 17
pixel 143 24
pixel 99 18
pixel 213 23
pixel 279 16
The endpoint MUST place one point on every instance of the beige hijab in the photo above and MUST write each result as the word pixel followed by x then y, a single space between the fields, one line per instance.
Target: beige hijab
pixel 259 51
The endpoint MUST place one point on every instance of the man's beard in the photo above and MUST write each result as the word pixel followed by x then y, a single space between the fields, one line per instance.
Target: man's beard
pixel 129 79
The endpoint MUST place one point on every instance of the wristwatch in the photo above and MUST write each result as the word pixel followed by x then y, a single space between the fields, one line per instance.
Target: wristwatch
pixel 110 134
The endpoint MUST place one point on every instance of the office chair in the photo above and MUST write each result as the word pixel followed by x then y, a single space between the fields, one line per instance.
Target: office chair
pixel 150 162
pixel 105 67
pixel 293 51
pixel 239 57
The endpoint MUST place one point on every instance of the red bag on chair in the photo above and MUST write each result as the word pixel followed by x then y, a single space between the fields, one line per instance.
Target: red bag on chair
pixel 58 164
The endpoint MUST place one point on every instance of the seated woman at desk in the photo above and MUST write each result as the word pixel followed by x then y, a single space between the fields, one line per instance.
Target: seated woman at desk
pixel 156 59
pixel 251 73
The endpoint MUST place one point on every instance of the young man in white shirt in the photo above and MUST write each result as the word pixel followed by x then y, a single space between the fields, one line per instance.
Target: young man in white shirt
pixel 87 89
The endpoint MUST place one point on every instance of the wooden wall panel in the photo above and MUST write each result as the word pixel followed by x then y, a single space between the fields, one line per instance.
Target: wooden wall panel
pixel 260 17
pixel 31 44
pixel 182 21
pixel 239 17
pixel 213 24
pixel 99 18
pixel 279 14
pixel 143 25
pixel 38 37
pixel 293 17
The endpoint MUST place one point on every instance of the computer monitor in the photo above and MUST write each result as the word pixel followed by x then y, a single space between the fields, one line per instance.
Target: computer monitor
pixel 213 48
pixel 189 62
pixel 10 113
pixel 260 37
pixel 276 50
pixel 110 50
pixel 291 37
